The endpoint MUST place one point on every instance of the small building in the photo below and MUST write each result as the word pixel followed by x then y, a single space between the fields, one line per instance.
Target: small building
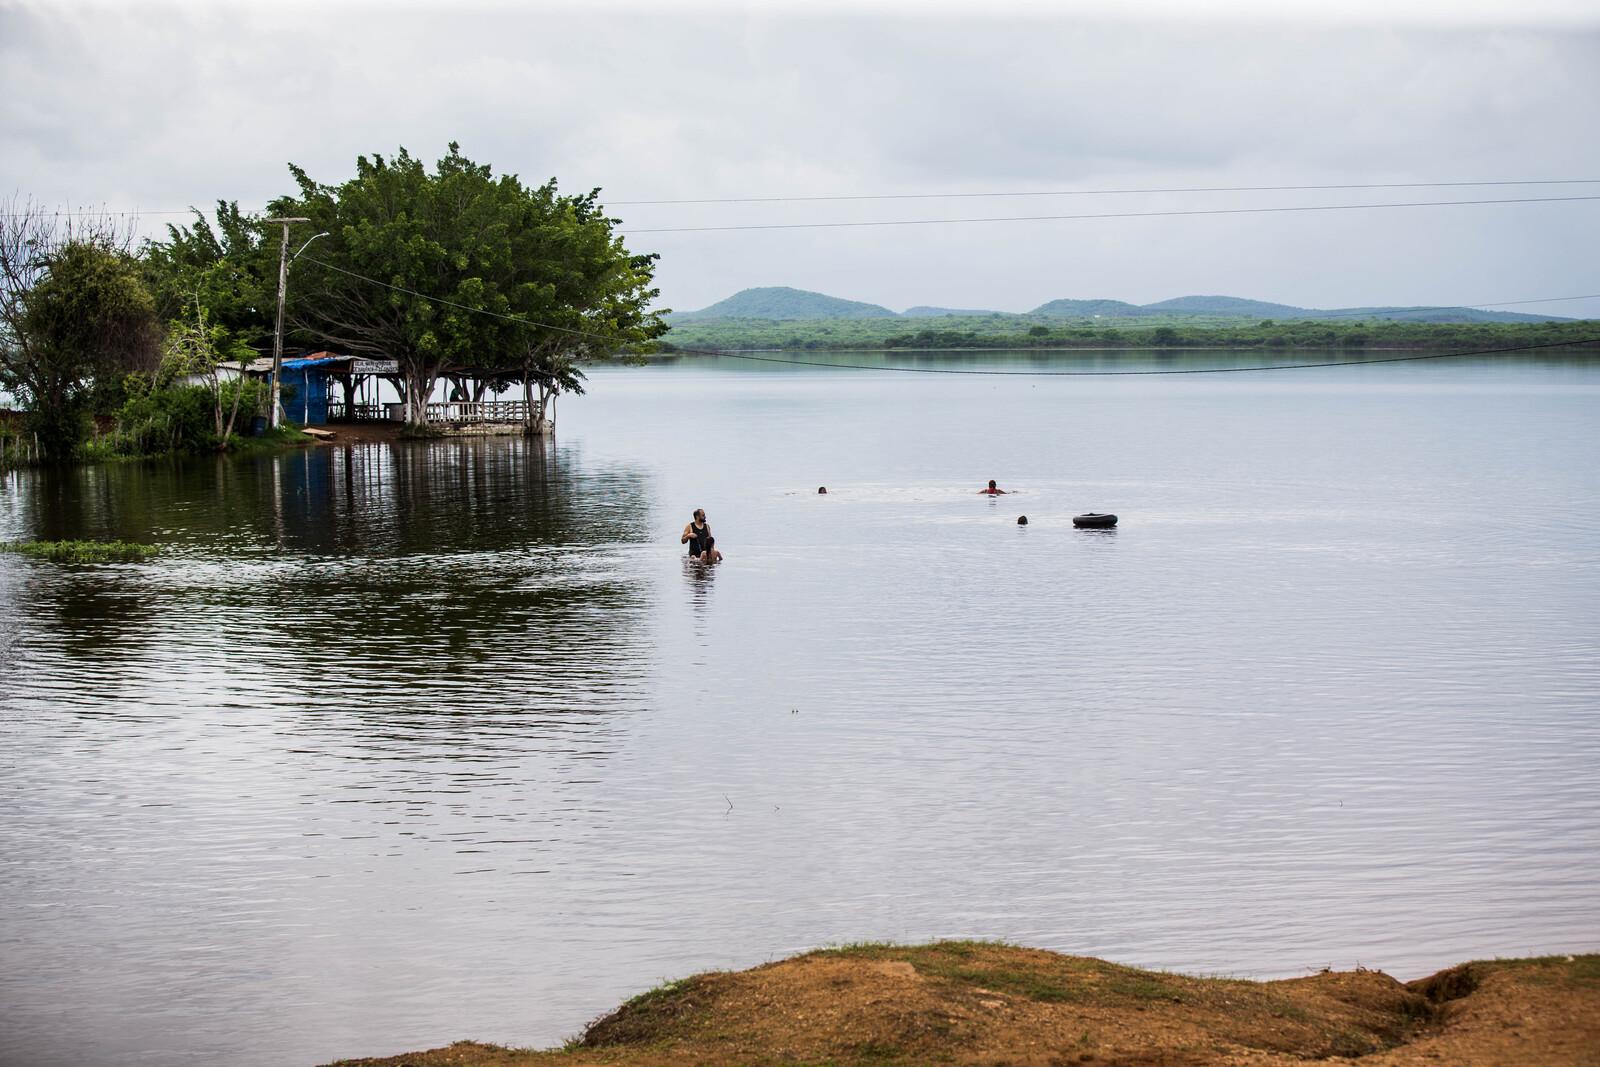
pixel 309 395
pixel 303 387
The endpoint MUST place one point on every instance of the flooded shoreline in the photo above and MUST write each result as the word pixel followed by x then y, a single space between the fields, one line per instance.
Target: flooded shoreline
pixel 391 744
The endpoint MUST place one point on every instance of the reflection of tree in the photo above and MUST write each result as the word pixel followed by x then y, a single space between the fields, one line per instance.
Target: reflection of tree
pixel 458 495
pixel 463 576
pixel 85 613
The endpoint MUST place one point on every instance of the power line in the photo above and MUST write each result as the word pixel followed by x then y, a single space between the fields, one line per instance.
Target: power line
pixel 1098 192
pixel 1110 215
pixel 839 198
pixel 525 321
pixel 1487 305
pixel 522 320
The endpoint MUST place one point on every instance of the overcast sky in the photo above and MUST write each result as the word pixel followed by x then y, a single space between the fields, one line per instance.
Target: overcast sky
pixel 161 107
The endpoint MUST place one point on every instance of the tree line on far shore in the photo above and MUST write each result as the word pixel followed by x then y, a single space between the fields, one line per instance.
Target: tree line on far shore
pixel 1015 332
pixel 443 270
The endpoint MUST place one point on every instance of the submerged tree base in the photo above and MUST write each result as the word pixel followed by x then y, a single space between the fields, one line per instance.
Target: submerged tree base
pixel 984 1003
pixel 82 551
pixel 424 432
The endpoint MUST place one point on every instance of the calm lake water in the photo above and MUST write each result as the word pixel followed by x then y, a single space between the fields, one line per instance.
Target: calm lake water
pixel 396 745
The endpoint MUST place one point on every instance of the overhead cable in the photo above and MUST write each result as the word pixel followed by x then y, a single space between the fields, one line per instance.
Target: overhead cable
pixel 1487 305
pixel 1096 192
pixel 993 194
pixel 1107 215
pixel 524 321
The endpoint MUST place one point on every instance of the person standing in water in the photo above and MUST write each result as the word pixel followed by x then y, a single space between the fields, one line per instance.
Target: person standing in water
pixel 697 535
pixel 993 490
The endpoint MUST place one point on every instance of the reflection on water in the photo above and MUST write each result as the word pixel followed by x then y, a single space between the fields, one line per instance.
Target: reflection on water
pixel 398 744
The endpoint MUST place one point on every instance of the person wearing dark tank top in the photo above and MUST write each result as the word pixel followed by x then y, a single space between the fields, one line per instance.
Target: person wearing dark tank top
pixel 697 535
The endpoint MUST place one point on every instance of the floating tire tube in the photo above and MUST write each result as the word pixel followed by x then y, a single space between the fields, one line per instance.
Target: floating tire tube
pixel 1094 520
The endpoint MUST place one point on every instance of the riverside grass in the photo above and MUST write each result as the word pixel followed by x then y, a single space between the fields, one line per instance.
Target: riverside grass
pixel 81 551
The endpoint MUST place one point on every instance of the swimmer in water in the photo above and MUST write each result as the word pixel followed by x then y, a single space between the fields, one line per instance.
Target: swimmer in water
pixel 993 490
pixel 697 535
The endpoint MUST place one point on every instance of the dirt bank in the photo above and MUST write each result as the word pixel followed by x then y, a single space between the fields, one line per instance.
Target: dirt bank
pixel 359 433
pixel 965 1002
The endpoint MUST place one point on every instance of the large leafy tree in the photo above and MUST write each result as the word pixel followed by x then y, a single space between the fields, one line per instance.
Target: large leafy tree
pixel 74 314
pixel 581 294
pixel 226 268
pixel 446 270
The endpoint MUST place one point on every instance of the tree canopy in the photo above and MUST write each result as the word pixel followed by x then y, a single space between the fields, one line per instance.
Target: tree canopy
pixel 459 269
pixel 74 314
pixel 228 268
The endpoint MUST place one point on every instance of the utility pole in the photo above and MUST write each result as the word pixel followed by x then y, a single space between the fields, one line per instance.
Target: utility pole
pixel 277 336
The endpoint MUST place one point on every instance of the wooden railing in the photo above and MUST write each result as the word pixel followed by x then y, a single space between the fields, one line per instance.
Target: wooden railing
pixel 469 411
pixel 338 412
pixel 459 412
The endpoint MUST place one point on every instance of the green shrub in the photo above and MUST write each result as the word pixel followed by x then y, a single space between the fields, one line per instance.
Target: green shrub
pixel 182 418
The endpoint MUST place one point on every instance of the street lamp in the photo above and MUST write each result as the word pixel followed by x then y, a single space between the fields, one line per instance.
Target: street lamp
pixel 277 335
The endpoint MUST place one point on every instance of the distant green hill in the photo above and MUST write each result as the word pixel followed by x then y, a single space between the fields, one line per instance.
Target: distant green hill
pixel 780 303
pixel 1423 314
pixel 1225 305
pixel 921 312
pixel 1075 309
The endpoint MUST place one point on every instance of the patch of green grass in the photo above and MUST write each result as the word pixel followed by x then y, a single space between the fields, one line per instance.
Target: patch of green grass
pixel 1282 1009
pixel 1573 962
pixel 82 551
pixel 1143 987
pixel 1351 1043
pixel 660 992
pixel 891 949
pixel 654 1016
pixel 1576 968
pixel 1058 979
pixel 960 961
pixel 271 441
pixel 867 949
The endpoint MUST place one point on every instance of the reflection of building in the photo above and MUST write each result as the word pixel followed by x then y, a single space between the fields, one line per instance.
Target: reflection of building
pixel 308 384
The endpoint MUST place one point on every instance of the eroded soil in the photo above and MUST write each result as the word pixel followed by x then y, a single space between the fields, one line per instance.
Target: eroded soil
pixel 963 1002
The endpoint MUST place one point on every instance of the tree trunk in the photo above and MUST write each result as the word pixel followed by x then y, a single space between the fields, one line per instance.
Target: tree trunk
pixel 216 406
pixel 233 416
pixel 419 387
pixel 540 422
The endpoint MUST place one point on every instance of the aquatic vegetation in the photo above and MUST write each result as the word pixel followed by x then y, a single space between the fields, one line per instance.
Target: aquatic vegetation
pixel 82 551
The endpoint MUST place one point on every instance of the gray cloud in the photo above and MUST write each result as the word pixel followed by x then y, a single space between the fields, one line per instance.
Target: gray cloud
pixel 165 107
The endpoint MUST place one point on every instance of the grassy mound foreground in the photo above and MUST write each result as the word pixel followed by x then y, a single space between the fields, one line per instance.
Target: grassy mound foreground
pixel 964 1002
